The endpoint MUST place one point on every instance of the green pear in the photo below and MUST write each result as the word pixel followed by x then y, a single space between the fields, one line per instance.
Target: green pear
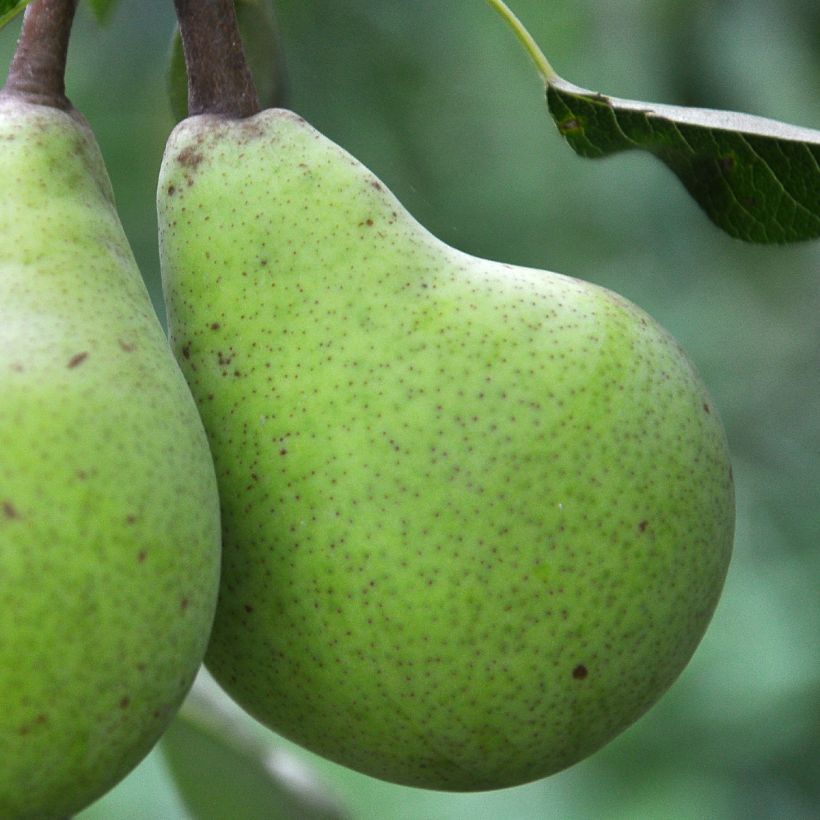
pixel 109 514
pixel 476 517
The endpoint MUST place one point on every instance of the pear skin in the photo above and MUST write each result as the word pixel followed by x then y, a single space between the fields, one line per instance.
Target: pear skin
pixel 476 517
pixel 109 514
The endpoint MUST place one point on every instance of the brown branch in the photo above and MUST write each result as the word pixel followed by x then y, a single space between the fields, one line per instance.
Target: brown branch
pixel 219 80
pixel 37 71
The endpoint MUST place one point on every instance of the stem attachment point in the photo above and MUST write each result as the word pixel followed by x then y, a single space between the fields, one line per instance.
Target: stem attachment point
pixel 219 80
pixel 37 70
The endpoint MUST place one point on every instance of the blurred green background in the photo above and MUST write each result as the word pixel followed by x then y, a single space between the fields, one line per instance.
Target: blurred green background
pixel 439 100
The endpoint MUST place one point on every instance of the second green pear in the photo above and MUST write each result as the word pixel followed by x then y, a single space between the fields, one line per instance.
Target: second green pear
pixel 476 517
pixel 109 514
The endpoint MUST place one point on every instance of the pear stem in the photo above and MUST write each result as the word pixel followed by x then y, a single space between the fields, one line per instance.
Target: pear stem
pixel 37 70
pixel 219 80
pixel 547 72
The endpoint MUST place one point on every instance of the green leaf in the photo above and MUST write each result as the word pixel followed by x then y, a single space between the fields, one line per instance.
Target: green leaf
pixel 9 9
pixel 224 769
pixel 757 179
pixel 101 9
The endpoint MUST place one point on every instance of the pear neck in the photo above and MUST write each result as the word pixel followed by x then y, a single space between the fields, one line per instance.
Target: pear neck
pixel 37 70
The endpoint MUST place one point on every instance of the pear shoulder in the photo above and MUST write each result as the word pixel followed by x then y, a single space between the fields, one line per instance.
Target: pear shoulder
pixel 54 146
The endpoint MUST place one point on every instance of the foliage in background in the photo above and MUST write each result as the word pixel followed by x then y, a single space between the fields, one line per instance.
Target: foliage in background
pixel 440 102
pixel 102 9
pixel 758 179
pixel 9 9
